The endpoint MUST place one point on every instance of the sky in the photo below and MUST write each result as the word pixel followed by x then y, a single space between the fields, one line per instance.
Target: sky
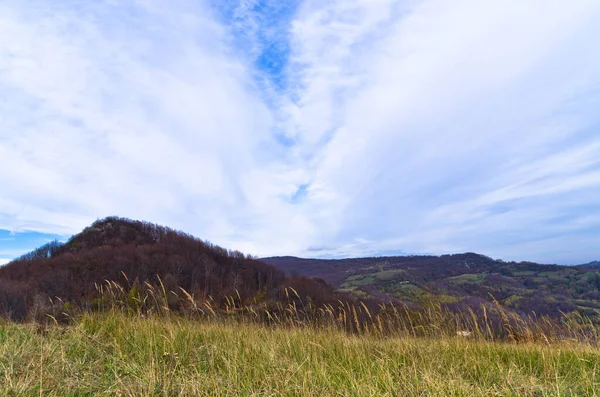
pixel 316 128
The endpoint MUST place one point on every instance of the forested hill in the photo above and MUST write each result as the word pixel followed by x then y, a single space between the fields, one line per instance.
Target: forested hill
pixel 126 251
pixel 468 278
pixel 135 253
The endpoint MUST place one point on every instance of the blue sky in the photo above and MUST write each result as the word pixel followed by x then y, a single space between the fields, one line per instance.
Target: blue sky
pixel 312 128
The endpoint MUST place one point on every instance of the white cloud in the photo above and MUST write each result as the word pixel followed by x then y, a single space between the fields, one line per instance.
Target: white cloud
pixel 122 109
pixel 421 126
pixel 442 110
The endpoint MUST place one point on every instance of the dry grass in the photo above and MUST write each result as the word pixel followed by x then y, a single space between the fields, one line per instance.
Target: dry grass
pixel 491 322
pixel 116 354
pixel 135 345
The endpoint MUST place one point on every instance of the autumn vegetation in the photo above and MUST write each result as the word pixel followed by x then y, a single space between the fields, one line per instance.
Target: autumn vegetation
pixel 137 255
pixel 134 309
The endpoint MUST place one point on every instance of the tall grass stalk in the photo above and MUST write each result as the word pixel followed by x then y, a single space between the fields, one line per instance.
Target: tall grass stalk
pixel 151 341
pixel 126 354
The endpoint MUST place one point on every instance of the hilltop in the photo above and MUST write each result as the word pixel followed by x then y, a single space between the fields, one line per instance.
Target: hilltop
pixel 135 253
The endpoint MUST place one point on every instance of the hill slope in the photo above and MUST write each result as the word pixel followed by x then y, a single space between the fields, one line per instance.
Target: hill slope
pixel 462 278
pixel 128 252
pixel 591 265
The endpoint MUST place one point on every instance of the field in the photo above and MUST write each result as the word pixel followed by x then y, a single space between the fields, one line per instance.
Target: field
pixel 119 354
pixel 182 317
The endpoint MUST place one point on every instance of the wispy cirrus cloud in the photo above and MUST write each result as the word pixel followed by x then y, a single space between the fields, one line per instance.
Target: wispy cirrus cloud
pixel 314 127
pixel 437 126
pixel 122 108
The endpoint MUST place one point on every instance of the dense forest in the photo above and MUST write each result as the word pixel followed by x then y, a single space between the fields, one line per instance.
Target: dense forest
pixel 134 253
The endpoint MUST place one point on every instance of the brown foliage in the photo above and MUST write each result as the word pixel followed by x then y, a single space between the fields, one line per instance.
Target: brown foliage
pixel 125 250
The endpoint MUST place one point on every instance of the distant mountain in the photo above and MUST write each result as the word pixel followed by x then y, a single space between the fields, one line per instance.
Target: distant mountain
pixel 591 265
pixel 462 278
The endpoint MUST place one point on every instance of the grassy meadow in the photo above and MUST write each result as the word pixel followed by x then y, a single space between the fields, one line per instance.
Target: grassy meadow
pixel 120 354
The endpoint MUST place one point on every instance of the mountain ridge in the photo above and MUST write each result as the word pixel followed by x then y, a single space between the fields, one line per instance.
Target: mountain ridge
pixel 466 277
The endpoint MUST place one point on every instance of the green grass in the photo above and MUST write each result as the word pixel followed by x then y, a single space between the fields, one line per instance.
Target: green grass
pixel 372 278
pixel 524 273
pixel 389 274
pixel 407 291
pixel 469 278
pixel 116 354
pixel 563 273
pixel 359 279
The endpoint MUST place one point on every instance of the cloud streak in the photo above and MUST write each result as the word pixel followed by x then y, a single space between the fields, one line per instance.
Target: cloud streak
pixel 101 115
pixel 439 113
pixel 337 128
